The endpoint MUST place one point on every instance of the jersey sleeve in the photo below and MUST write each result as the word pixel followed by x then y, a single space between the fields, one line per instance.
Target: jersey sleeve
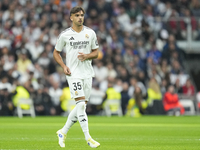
pixel 95 44
pixel 60 43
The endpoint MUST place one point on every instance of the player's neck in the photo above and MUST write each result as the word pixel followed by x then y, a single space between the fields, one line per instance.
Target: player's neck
pixel 77 28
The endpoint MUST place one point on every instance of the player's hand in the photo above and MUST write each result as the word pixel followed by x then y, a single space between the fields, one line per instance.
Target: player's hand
pixel 66 70
pixel 82 56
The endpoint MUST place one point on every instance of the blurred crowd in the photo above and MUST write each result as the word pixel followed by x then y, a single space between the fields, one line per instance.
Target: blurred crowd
pixel 139 57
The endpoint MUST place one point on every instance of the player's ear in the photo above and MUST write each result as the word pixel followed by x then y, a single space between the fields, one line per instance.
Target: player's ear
pixel 71 18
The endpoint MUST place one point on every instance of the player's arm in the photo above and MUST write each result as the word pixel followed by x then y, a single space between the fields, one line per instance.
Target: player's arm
pixel 92 55
pixel 56 54
pixel 58 58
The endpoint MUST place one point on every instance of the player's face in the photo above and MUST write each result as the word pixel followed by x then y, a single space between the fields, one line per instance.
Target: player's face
pixel 77 18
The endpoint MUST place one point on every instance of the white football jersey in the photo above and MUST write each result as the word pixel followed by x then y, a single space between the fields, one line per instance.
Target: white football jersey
pixel 74 42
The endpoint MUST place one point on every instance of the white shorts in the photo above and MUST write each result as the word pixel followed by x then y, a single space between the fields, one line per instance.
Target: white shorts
pixel 80 87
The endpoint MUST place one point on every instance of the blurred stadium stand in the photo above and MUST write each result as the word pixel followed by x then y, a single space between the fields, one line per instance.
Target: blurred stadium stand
pixel 141 39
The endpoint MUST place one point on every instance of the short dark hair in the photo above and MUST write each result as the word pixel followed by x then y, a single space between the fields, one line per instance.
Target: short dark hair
pixel 76 9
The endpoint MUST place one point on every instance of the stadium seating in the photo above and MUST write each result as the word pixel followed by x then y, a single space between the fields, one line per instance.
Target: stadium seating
pixel 30 111
pixel 188 105
pixel 113 107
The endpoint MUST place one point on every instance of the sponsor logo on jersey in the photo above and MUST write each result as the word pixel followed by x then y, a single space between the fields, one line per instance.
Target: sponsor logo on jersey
pixel 79 44
pixel 71 38
pixel 87 36
pixel 76 93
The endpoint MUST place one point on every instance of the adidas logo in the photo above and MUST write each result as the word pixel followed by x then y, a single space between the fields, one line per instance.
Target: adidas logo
pixel 71 38
pixel 83 120
pixel 60 135
pixel 74 121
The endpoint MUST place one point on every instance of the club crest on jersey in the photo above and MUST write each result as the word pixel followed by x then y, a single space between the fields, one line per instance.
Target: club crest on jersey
pixel 76 93
pixel 87 36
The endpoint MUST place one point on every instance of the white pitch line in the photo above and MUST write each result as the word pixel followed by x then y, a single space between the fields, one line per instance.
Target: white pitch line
pixel 134 139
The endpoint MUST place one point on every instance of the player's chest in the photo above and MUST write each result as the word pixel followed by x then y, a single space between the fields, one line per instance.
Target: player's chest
pixel 78 41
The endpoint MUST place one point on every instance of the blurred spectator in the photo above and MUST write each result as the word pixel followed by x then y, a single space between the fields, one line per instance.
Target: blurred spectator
pixel 20 93
pixel 6 105
pixel 35 49
pixel 5 84
pixel 170 47
pixel 162 39
pixel 153 91
pixel 94 105
pixel 42 102
pixel 188 17
pixel 171 102
pixel 32 32
pixel 118 60
pixel 136 106
pixel 177 86
pixel 118 85
pixel 37 71
pixel 104 84
pixel 9 62
pixel 112 94
pixel 163 86
pixel 39 106
pixel 5 41
pixel 128 56
pixel 65 97
pixel 111 71
pixel 124 75
pixel 57 77
pixel 134 83
pixel 4 53
pixel 154 54
pixel 164 71
pixel 181 77
pixel 123 18
pixel 173 23
pixel 176 68
pixel 188 88
pixel 134 10
pixel 139 64
pixel 28 85
pixel 124 97
pixel 154 74
pixel 17 31
pixel 102 33
pixel 101 71
pixel 195 7
pixel 142 77
pixel 116 8
pixel 138 99
pixel 141 51
pixel 23 62
pixel 55 93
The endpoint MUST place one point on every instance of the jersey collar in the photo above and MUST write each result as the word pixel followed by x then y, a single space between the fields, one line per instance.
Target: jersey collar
pixel 75 31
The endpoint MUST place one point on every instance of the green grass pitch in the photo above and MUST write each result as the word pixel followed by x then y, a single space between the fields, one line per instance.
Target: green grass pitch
pixel 113 133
